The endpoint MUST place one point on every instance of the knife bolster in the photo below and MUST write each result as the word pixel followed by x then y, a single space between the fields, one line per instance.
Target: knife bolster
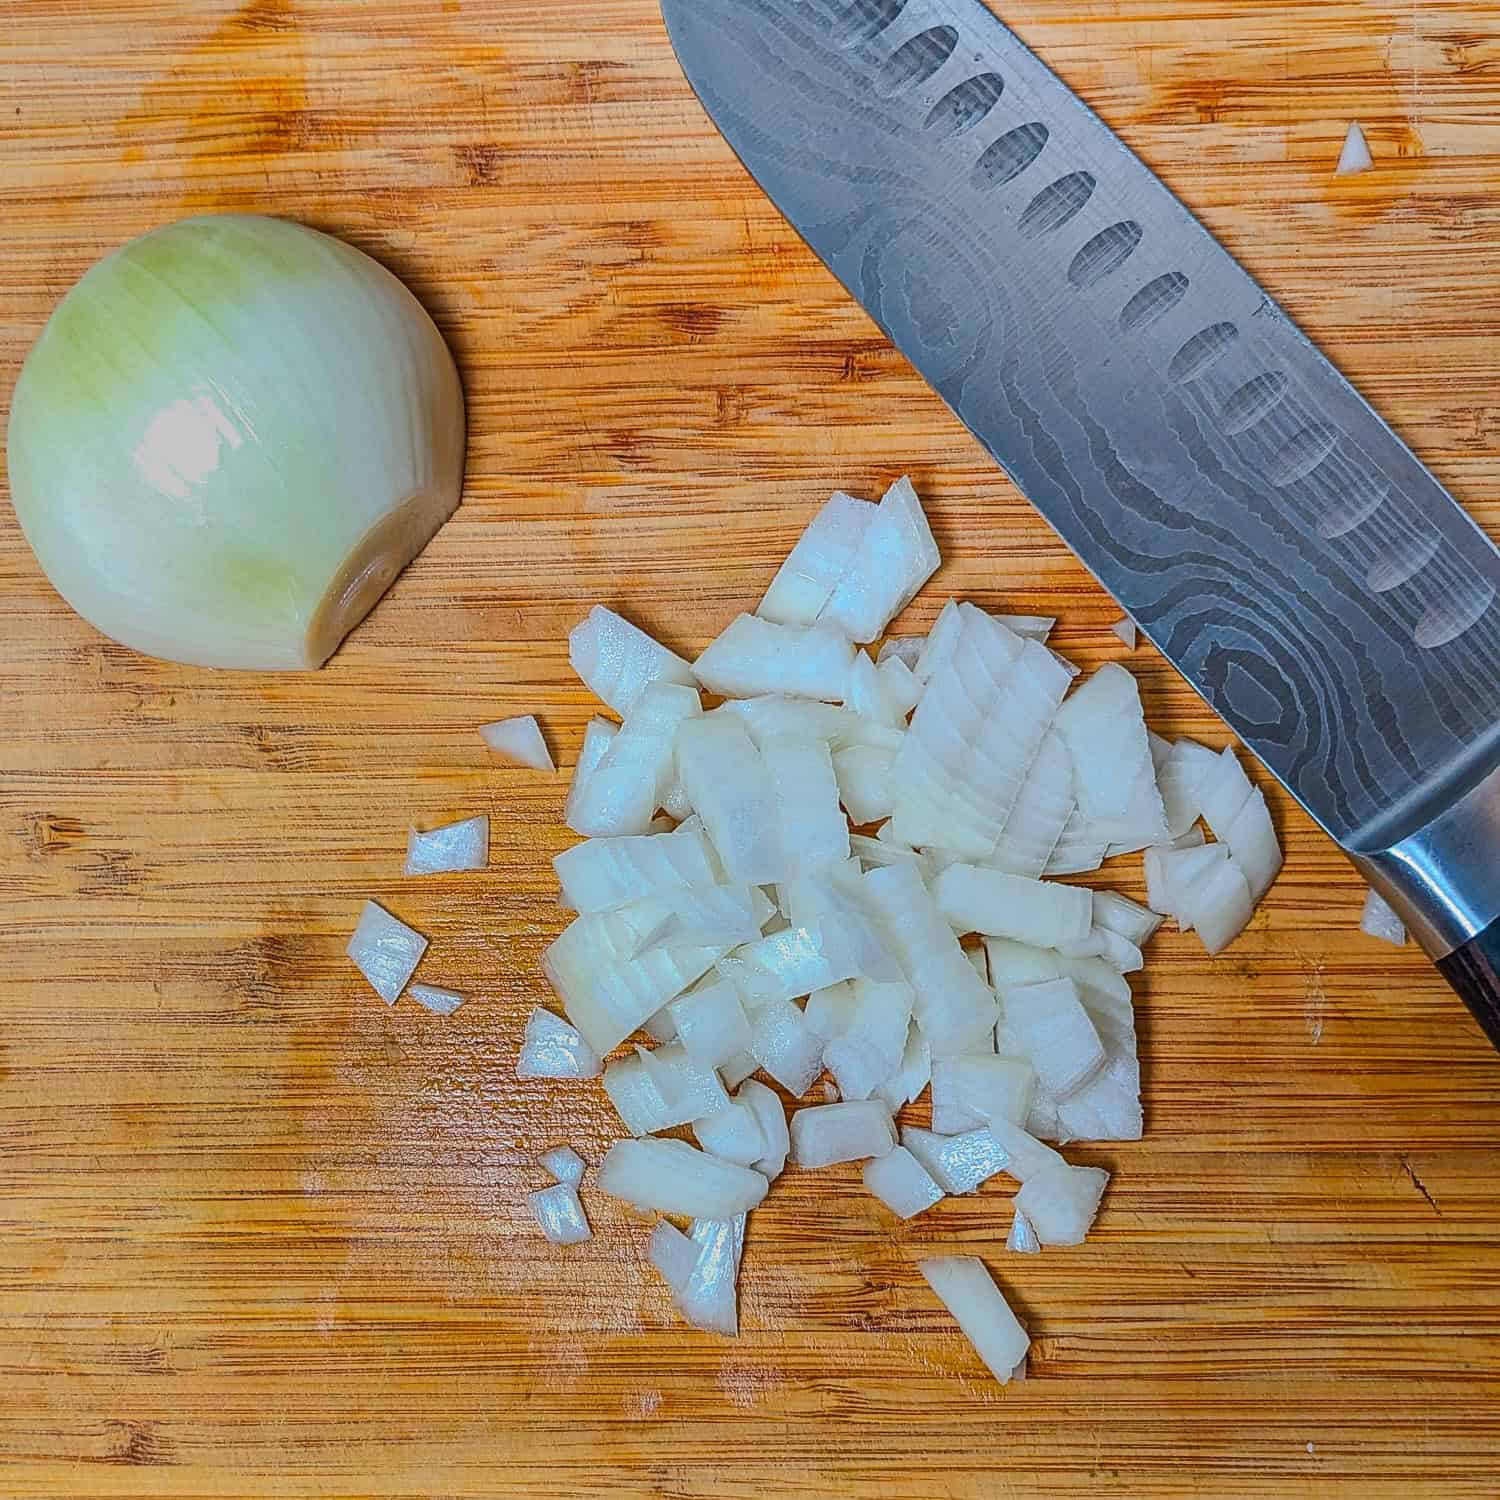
pixel 1444 879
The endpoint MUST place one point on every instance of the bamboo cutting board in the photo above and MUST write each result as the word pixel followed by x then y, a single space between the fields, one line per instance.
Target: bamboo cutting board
pixel 261 1236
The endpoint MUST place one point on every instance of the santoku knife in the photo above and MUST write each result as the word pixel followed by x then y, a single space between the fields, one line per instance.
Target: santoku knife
pixel 1267 530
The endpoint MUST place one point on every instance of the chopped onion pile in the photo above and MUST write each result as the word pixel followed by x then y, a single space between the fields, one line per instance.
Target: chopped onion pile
pixel 727 914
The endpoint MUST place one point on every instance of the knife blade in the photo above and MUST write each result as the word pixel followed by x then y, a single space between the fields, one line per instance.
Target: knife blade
pixel 1220 478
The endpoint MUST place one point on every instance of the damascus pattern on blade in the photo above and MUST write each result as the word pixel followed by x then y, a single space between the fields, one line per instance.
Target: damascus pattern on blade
pixel 1218 476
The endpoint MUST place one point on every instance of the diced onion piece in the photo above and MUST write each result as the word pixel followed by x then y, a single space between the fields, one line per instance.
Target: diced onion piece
pixel 954 1006
pixel 730 785
pixel 439 1001
pixel 637 1099
pixel 881 853
pixel 676 809
pixel 690 1090
pixel 902 1183
pixel 1119 914
pixel 711 1023
pixel 993 1088
pixel 1125 628
pixel 1118 952
pixel 628 785
pixel 900 686
pixel 958 1163
pixel 454 846
pixel 824 1134
pixel 1108 1106
pixel 864 781
pixel 1253 845
pixel 660 1027
pixel 1026 1156
pixel 950 1114
pixel 738 1069
pixel 1172 875
pixel 564 1164
pixel 968 1291
pixel 560 1213
pixel 771 1118
pixel 708 1299
pixel 974 735
pixel 754 657
pixel 906 649
pixel 1379 920
pixel 385 950
pixel 598 736
pixel 1220 908
pixel 895 557
pixel 519 740
pixel 865 695
pixel 607 996
pixel 1040 813
pixel 1114 775
pixel 675 1178
pixel 1033 627
pixel 1061 1204
pixel 603 873
pixel 975 898
pixel 813 829
pixel 733 1133
pixel 1223 792
pixel 1013 963
pixel 1178 778
pixel 1047 1025
pixel 616 660
pixel 830 1011
pixel 938 647
pixel 779 717
pixel 867 1051
pixel 1355 156
pixel 908 1081
pixel 1022 1238
pixel 717 915
pixel 673 1254
pixel 824 553
pixel 796 961
pixel 784 1045
pixel 554 1049
pixel 1078 849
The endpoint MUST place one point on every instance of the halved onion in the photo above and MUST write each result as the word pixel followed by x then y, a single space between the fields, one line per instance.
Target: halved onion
pixel 231 436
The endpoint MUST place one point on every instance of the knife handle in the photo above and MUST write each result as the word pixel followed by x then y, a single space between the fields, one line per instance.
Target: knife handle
pixel 1474 972
pixel 1443 879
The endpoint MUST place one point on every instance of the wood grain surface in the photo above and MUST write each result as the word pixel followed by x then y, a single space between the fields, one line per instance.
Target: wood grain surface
pixel 261 1236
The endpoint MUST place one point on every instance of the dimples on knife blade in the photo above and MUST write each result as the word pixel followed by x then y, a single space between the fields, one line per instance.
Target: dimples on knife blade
pixel 1221 479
